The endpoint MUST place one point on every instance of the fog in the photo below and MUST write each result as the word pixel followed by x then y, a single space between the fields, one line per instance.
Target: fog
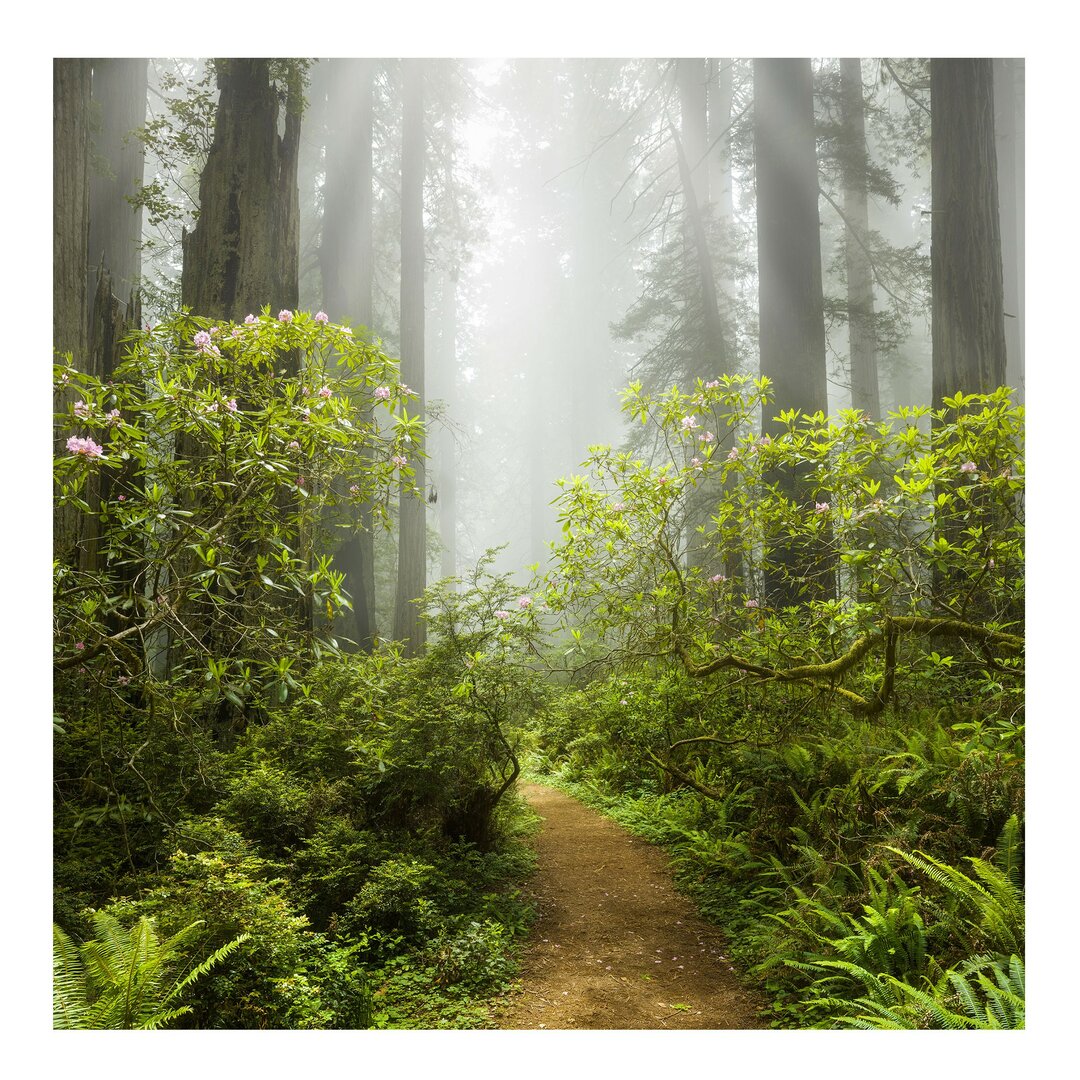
pixel 561 254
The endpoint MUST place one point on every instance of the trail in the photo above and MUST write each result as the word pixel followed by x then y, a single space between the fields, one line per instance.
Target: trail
pixel 614 946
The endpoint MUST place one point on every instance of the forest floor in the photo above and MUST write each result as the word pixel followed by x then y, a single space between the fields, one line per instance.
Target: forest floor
pixel 614 945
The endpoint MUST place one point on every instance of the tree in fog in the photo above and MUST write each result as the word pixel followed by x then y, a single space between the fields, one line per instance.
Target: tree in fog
pixel 412 517
pixel 965 256
pixel 346 260
pixel 790 304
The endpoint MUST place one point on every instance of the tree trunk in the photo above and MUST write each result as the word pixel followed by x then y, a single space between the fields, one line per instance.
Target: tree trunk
pixel 346 259
pixel 790 306
pixel 447 492
pixel 119 98
pixel 71 216
pixel 243 252
pixel 1009 125
pixel 862 339
pixel 71 206
pixel 412 547
pixel 965 255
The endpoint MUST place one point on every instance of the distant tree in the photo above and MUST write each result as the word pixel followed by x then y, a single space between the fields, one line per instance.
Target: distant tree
pixel 346 257
pixel 242 253
pixel 862 337
pixel 790 304
pixel 965 257
pixel 412 544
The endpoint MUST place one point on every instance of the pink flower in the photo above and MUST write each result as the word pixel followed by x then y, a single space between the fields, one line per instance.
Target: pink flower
pixel 764 441
pixel 305 414
pixel 300 481
pixel 821 508
pixel 211 408
pixel 712 384
pixel 123 680
pixel 121 498
pixel 399 461
pixel 733 454
pixel 346 330
pixel 716 579
pixel 706 436
pixel 113 417
pixel 382 393
pixel 285 315
pixel 231 404
pixel 294 445
pixel 237 332
pixel 969 467
pixel 624 702
pixel 79 646
pixel 354 489
pixel 81 409
pixel 502 615
pixel 201 340
pixel 326 392
pixel 664 480
pixel 524 602
pixel 696 463
pixel 688 423
pixel 619 507
pixel 249 319
pixel 321 316
pixel 751 603
pixel 86 447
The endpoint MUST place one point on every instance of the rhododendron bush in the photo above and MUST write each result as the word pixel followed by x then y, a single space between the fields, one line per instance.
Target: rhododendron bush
pixel 209 481
pixel 842 555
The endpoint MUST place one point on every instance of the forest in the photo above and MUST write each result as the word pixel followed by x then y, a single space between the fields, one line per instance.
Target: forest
pixel 538 543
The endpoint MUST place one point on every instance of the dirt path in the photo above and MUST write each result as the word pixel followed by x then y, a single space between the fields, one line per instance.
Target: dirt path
pixel 614 945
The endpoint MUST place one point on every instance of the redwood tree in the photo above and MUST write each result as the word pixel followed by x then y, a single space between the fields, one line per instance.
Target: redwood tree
pixel 243 251
pixel 965 255
pixel 346 260
pixel 412 547
pixel 790 305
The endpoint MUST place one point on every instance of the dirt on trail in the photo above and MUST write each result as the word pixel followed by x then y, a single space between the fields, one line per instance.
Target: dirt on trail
pixel 614 945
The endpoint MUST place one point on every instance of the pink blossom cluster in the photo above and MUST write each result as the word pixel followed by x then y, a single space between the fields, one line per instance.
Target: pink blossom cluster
pixel 285 315
pixel 502 615
pixel 382 393
pixel 113 417
pixel 619 507
pixel 81 409
pixel 706 436
pixel 712 384
pixel 688 423
pixel 86 447
pixel 717 579
pixel 231 405
pixel 969 467
pixel 399 461
pixel 249 319
pixel 321 317
pixel 751 603
pixel 524 602
pixel 821 508
pixel 326 392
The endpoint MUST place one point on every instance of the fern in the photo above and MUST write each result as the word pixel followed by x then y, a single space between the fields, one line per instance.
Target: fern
pixel 123 978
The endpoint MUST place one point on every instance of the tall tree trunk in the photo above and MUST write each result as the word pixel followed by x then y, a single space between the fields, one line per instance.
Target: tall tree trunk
pixel 346 258
pixel 71 206
pixel 243 252
pixel 119 97
pixel 71 218
pixel 447 491
pixel 721 92
pixel 965 254
pixel 1009 125
pixel 862 339
pixel 412 547
pixel 790 306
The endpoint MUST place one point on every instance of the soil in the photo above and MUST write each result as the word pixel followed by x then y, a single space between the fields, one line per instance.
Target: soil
pixel 614 945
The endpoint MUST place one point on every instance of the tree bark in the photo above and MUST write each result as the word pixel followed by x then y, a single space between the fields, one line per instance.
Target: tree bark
pixel 862 339
pixel 409 627
pixel 1009 126
pixel 791 308
pixel 119 100
pixel 965 256
pixel 346 259
pixel 71 206
pixel 243 252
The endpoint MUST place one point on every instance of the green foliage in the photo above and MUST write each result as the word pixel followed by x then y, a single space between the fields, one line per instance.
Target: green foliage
pixel 125 978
